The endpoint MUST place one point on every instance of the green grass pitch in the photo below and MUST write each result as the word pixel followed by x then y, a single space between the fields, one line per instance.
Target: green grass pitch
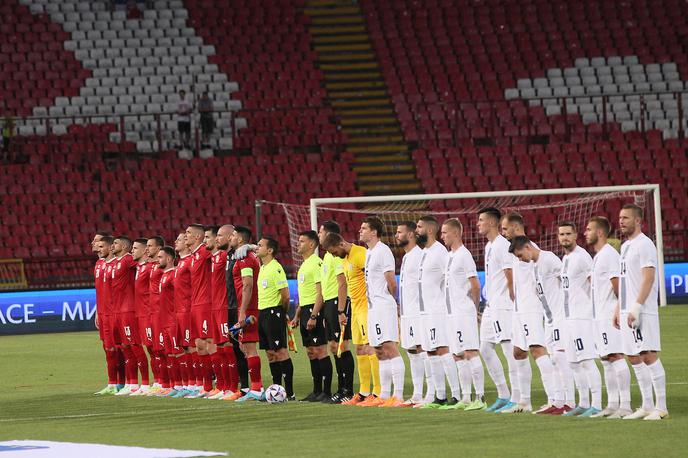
pixel 48 381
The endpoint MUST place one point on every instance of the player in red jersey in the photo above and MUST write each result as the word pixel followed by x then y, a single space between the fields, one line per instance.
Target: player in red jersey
pixel 245 274
pixel 103 319
pixel 182 309
pixel 166 321
pixel 201 301
pixel 123 303
pixel 142 305
pixel 158 361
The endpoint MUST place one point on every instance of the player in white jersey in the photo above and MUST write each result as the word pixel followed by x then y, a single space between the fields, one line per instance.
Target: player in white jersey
pixel 495 320
pixel 383 323
pixel 462 295
pixel 547 272
pixel 580 321
pixel 528 332
pixel 433 312
pixel 409 308
pixel 604 285
pixel 637 314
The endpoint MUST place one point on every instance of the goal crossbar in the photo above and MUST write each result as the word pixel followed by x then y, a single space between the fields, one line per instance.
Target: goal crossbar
pixel 653 188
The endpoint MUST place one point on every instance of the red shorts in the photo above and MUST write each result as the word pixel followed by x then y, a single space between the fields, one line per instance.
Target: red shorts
pixel 184 328
pixel 170 342
pixel 250 332
pixel 128 328
pixel 145 330
pixel 220 331
pixel 106 324
pixel 201 322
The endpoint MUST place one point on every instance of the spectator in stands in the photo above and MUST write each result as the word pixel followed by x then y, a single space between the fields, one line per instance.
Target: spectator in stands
pixel 184 108
pixel 7 134
pixel 205 107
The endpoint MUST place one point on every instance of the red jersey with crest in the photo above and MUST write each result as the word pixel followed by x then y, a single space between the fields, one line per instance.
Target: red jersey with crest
pixel 182 285
pixel 200 277
pixel 218 281
pixel 249 266
pixel 154 298
pixel 166 316
pixel 142 288
pixel 106 276
pixel 122 284
pixel 98 275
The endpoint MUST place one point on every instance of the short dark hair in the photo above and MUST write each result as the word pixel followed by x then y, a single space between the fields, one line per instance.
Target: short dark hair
pixel 312 235
pixel 245 233
pixel 429 219
pixel 125 239
pixel 273 245
pixel 104 233
pixel 169 251
pixel 410 225
pixel 141 241
pixel 491 211
pixel 213 229
pixel 639 212
pixel 107 239
pixel 159 241
pixel 375 224
pixel 332 239
pixel 602 223
pixel 570 224
pixel 331 226
pixel 518 243
pixel 514 217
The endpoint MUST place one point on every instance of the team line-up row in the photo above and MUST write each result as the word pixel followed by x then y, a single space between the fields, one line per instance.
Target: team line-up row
pixel 205 318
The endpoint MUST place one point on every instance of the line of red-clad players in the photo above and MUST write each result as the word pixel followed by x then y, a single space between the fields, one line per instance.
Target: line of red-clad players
pixel 180 313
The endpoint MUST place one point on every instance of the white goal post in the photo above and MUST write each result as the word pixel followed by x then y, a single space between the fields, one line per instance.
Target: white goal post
pixel 319 203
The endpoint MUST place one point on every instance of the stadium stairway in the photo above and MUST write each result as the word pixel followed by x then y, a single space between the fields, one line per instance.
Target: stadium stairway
pixel 358 94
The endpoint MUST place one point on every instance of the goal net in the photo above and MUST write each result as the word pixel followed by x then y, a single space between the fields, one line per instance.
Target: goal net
pixel 541 209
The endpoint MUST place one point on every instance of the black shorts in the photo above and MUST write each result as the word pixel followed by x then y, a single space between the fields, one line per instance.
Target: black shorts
pixel 331 315
pixel 184 127
pixel 272 328
pixel 316 336
pixel 207 123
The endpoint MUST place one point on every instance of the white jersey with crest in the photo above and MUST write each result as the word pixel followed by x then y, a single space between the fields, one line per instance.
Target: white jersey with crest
pixel 636 254
pixel 525 292
pixel 547 271
pixel 409 303
pixel 605 266
pixel 379 260
pixel 431 279
pixel 575 283
pixel 497 259
pixel 457 286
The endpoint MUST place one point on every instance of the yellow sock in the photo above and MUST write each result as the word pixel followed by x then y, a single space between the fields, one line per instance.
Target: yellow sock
pixel 375 369
pixel 363 374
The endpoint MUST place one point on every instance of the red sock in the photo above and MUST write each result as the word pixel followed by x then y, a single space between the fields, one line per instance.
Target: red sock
pixel 253 363
pixel 219 370
pixel 153 364
pixel 164 374
pixel 121 376
pixel 197 371
pixel 131 375
pixel 111 361
pixel 141 363
pixel 184 368
pixel 173 370
pixel 231 373
pixel 207 371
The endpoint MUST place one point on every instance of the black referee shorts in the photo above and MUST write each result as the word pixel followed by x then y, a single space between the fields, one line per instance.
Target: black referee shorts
pixel 331 315
pixel 316 336
pixel 272 328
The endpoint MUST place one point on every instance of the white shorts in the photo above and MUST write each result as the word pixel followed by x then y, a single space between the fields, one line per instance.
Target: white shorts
pixel 645 338
pixel 607 338
pixel 528 330
pixel 462 331
pixel 383 325
pixel 495 325
pixel 580 340
pixel 556 336
pixel 411 332
pixel 434 331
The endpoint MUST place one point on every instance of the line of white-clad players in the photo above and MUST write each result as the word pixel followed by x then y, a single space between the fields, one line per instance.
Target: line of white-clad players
pixel 566 313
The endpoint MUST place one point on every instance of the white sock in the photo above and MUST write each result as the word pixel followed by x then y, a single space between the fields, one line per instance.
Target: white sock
pixel 417 374
pixel 659 384
pixel 508 350
pixel 594 378
pixel 566 379
pixel 524 379
pixel 623 379
pixel 478 375
pixel 429 380
pixel 452 374
pixel 438 376
pixel 555 395
pixel 582 383
pixel 494 368
pixel 398 373
pixel 464 379
pixel 385 378
pixel 610 382
pixel 644 377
